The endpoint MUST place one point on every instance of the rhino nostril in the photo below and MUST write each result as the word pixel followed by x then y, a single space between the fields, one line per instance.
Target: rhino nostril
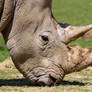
pixel 52 78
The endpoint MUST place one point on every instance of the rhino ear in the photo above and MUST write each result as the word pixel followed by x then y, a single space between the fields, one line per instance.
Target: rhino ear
pixel 7 13
pixel 71 33
pixel 1 6
pixel 88 35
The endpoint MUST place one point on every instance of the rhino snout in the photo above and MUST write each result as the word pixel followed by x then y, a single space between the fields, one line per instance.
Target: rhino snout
pixel 45 80
pixel 45 76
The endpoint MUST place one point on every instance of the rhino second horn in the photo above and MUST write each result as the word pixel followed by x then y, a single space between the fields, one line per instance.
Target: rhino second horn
pixel 72 32
pixel 88 36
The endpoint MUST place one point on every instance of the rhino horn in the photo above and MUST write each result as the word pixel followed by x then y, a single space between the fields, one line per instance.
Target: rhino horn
pixel 7 10
pixel 88 35
pixel 71 33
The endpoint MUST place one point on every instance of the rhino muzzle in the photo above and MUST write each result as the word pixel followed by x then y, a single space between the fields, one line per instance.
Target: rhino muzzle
pixel 43 76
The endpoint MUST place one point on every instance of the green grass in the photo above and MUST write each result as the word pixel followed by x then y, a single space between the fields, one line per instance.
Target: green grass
pixel 3 50
pixel 74 12
pixel 82 42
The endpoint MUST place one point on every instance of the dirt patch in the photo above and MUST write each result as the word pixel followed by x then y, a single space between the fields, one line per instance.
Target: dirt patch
pixel 7 64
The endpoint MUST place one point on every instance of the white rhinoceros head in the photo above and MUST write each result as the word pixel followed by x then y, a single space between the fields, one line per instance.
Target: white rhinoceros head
pixel 38 44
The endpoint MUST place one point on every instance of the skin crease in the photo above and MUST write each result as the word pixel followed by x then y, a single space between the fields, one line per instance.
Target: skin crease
pixel 38 45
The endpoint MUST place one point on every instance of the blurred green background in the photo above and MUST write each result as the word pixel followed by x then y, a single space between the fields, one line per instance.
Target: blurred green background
pixel 74 12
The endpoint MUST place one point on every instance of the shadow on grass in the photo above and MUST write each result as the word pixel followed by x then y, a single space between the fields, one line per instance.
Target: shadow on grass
pixel 74 83
pixel 24 82
pixel 14 82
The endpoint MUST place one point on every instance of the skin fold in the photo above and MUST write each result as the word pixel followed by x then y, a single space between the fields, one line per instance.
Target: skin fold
pixel 38 45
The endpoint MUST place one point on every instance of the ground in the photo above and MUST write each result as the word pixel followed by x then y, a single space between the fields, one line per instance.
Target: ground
pixel 74 12
pixel 12 81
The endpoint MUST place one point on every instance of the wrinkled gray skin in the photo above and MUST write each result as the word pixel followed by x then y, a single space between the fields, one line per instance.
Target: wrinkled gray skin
pixel 38 44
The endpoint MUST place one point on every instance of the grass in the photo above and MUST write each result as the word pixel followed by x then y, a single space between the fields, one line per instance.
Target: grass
pixel 3 50
pixel 82 42
pixel 12 81
pixel 74 12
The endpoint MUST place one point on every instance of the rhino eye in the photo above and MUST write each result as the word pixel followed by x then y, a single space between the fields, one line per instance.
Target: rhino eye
pixel 45 38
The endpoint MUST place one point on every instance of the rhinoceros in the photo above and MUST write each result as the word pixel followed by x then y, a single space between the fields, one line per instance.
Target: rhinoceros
pixel 38 44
